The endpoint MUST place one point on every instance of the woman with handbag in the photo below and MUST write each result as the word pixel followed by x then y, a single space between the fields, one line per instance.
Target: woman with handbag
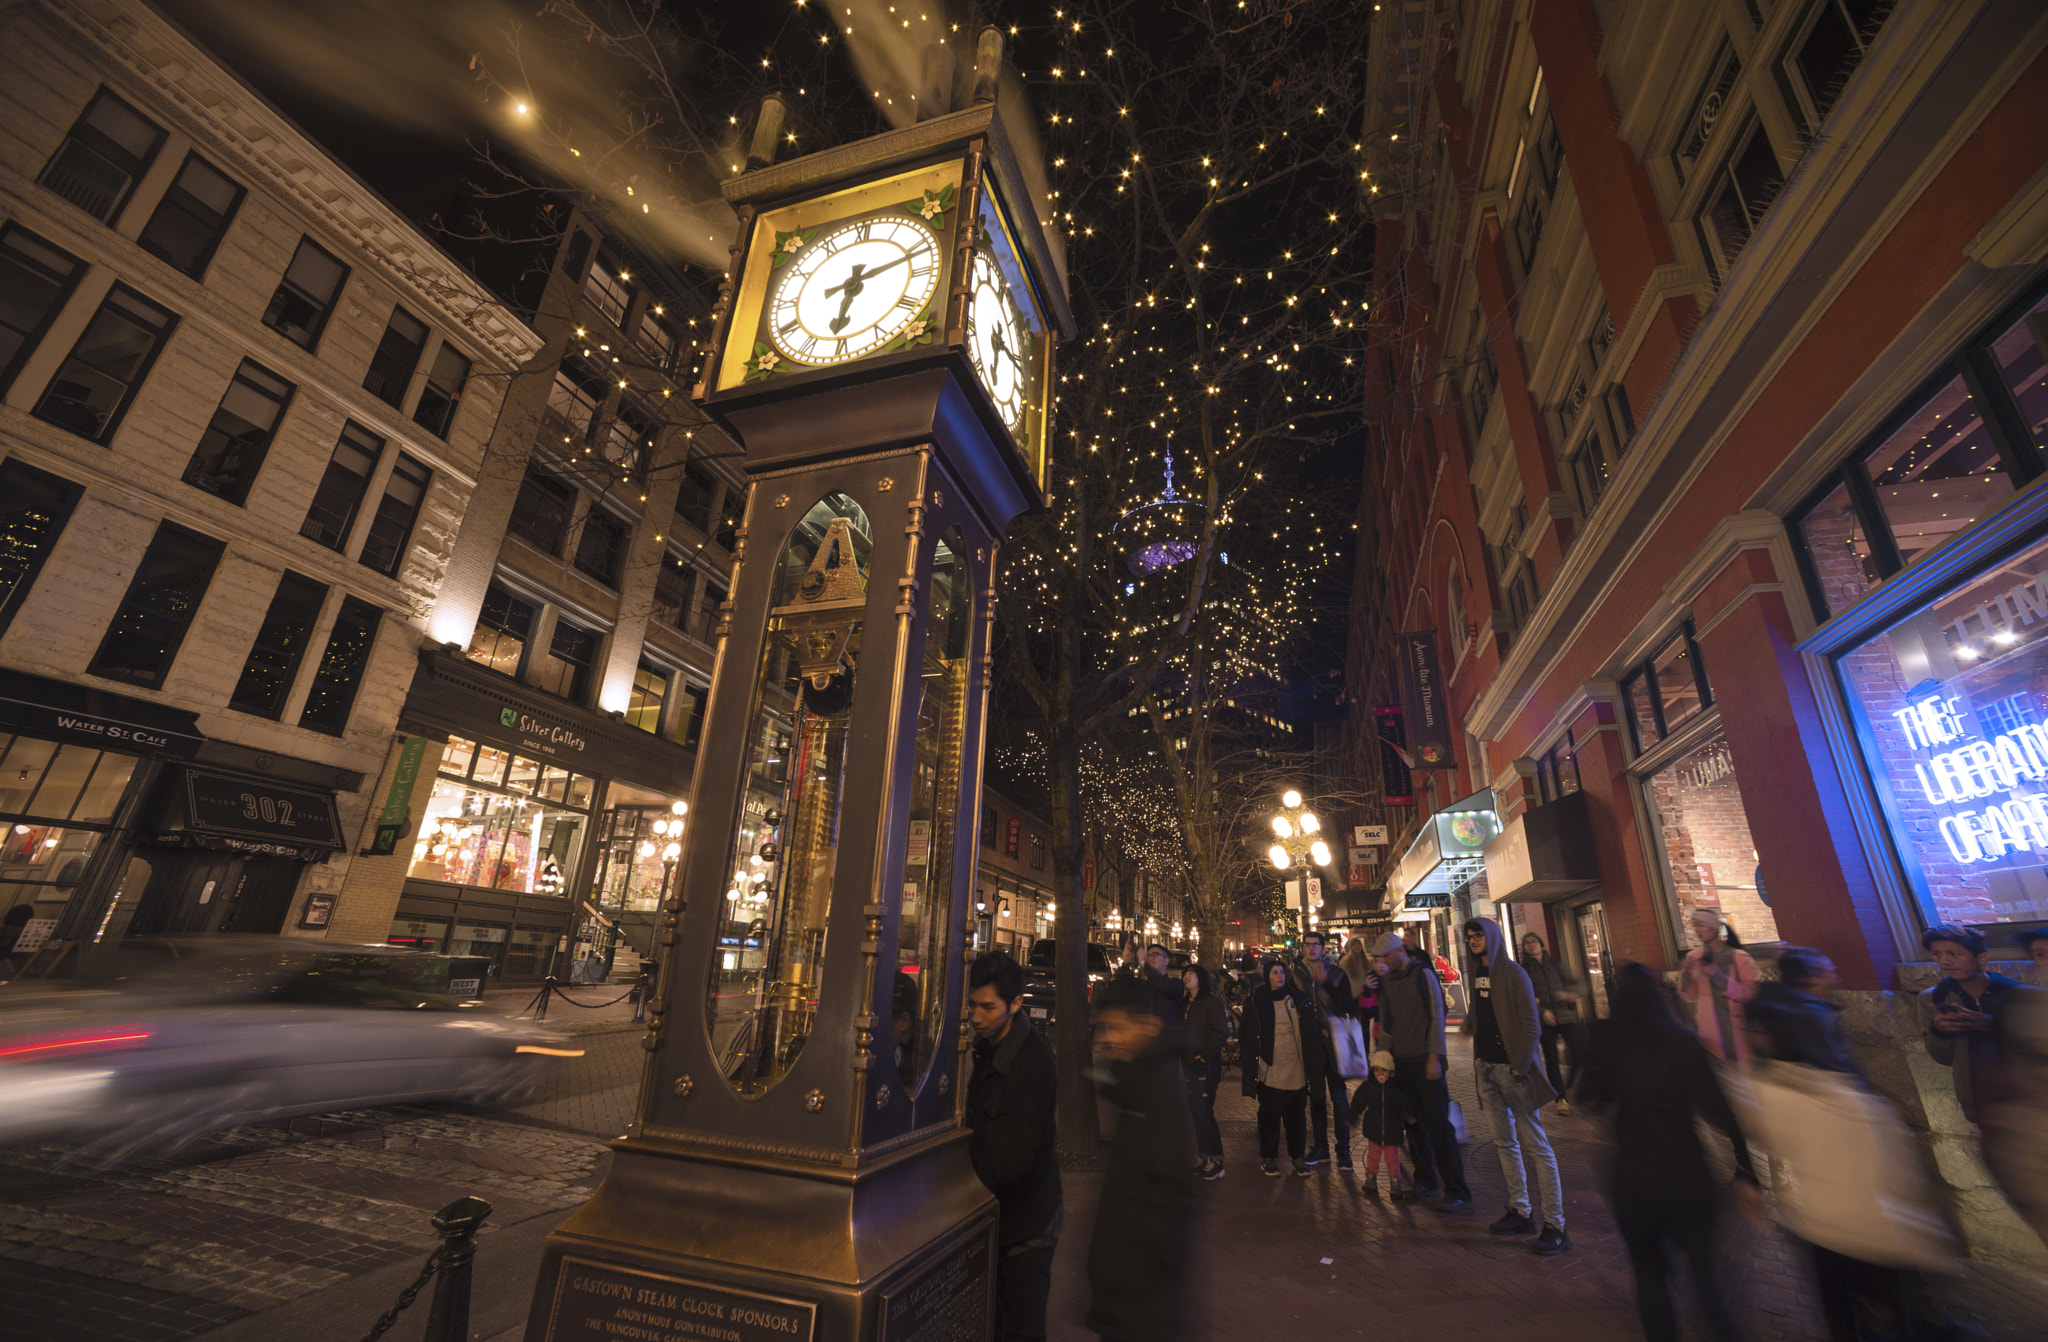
pixel 1279 1038
pixel 1557 996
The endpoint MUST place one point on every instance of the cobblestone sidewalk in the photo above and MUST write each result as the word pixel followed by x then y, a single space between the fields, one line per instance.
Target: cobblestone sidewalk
pixel 167 1248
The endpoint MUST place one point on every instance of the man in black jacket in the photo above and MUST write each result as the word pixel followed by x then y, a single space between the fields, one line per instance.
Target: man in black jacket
pixel 1139 1261
pixel 1330 989
pixel 1011 1108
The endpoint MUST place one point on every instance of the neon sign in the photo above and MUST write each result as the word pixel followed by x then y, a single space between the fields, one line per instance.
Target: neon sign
pixel 1962 771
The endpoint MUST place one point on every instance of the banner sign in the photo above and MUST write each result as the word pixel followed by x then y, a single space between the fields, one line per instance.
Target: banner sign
pixel 1428 707
pixel 1012 835
pixel 398 801
pixel 1399 786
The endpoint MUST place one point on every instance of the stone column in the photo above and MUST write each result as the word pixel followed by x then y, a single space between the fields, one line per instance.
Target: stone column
pixel 643 568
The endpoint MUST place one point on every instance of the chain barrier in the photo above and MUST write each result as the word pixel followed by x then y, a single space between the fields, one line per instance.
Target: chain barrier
pixel 408 1295
pixel 538 1007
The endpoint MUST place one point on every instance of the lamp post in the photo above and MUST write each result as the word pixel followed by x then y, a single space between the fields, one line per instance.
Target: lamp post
pixel 1299 842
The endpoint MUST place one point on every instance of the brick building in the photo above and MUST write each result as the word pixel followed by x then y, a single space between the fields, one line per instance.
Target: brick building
pixel 1707 404
pixel 339 595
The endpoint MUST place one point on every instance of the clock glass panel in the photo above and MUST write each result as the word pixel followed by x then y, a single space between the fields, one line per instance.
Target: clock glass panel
pixel 853 289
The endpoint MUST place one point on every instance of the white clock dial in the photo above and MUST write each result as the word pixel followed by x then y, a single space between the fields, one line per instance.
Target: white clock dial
pixel 995 341
pixel 853 290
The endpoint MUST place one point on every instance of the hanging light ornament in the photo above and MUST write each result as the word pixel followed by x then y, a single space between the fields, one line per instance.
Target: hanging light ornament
pixel 1163 533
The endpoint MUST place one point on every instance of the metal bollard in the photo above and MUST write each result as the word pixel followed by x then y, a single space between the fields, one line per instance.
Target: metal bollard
pixel 458 1222
pixel 640 987
pixel 547 990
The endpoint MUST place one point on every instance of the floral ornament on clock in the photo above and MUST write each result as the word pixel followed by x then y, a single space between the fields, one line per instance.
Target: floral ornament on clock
pixel 919 331
pixel 787 245
pixel 934 207
pixel 764 362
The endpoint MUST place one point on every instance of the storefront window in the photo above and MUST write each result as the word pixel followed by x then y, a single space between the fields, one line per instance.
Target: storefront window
pixel 1667 690
pixel 475 833
pixel 1709 858
pixel 630 878
pixel 1952 702
pixel 801 700
pixel 1838 549
pixel 2020 358
pixel 55 801
pixel 918 1004
pixel 1938 472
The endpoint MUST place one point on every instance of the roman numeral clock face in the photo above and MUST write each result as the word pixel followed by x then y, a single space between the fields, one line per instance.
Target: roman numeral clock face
pixel 995 342
pixel 852 291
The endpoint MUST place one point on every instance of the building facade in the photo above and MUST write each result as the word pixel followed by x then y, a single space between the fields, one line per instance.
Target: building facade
pixel 1707 403
pixel 339 596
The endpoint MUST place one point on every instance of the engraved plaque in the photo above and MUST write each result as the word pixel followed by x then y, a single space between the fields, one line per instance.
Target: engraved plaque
pixel 952 1300
pixel 598 1302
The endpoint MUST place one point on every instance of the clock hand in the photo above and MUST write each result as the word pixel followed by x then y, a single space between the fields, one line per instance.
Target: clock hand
pixel 852 286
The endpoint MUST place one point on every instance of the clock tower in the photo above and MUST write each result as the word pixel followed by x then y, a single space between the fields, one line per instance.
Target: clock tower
pixel 797 1163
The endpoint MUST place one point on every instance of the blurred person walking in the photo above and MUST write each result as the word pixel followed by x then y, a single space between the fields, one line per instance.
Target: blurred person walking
pixel 1558 996
pixel 1506 1028
pixel 1652 1081
pixel 1329 988
pixel 1273 1052
pixel 1716 980
pixel 1140 1258
pixel 1012 1100
pixel 1205 1025
pixel 1384 1114
pixel 1411 1021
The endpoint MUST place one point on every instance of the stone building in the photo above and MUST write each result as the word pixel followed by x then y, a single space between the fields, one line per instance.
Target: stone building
pixel 1707 400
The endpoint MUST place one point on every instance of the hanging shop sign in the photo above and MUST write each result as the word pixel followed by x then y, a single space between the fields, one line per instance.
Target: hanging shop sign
pixel 1428 706
pixel 394 822
pixel 1362 835
pixel 58 710
pixel 1449 851
pixel 1013 835
pixel 1397 784
pixel 252 809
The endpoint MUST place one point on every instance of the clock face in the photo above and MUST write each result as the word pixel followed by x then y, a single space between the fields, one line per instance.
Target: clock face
pixel 852 291
pixel 995 341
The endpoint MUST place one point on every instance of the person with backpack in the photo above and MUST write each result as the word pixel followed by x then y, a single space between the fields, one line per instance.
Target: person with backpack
pixel 1411 1022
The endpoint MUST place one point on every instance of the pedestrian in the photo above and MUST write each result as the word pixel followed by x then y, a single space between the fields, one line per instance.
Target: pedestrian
pixel 1329 990
pixel 1507 1051
pixel 1652 1081
pixel 1557 993
pixel 1384 1114
pixel 1139 1261
pixel 1411 1022
pixel 1357 964
pixel 1272 1049
pixel 1794 1021
pixel 1152 969
pixel 2034 941
pixel 1205 1026
pixel 1992 1032
pixel 1012 1100
pixel 1717 979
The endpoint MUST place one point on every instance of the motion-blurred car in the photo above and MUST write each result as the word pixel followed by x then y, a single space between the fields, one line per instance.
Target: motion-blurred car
pixel 1041 978
pixel 165 1040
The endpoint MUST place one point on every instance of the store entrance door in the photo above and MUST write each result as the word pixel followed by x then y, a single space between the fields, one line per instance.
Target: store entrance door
pixel 187 890
pixel 1589 936
pixel 263 896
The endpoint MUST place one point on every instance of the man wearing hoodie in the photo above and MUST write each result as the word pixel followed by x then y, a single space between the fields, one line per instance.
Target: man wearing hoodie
pixel 1506 1028
pixel 1411 1020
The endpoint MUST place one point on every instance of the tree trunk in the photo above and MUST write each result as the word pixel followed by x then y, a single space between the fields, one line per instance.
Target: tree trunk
pixel 1080 1134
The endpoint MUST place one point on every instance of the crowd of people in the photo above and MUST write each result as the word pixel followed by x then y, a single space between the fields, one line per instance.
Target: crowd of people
pixel 1328 1044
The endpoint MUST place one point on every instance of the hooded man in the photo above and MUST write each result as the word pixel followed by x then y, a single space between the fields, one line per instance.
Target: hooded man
pixel 1411 1021
pixel 1507 1031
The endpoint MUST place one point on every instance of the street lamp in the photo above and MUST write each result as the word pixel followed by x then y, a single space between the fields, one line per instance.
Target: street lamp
pixel 1298 830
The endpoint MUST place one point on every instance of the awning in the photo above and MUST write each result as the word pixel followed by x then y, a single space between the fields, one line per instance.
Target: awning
pixel 208 808
pixel 60 710
pixel 1448 854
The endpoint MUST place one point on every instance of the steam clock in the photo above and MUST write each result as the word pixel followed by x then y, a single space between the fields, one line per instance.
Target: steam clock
pixel 797 1166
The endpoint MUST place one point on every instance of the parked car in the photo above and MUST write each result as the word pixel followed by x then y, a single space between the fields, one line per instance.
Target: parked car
pixel 1040 973
pixel 165 1040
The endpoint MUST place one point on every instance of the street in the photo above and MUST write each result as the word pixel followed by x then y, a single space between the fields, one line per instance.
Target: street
pixel 308 1230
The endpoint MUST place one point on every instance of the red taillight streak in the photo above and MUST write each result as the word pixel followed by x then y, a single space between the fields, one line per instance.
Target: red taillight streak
pixel 80 1043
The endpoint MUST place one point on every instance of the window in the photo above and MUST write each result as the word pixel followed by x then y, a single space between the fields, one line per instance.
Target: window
pixel 391 529
pixel 1837 37
pixel 729 507
pixel 436 410
pixel 103 157
pixel 398 354
pixel 232 449
pixel 1557 772
pixel 1037 853
pixel 481 831
pixel 601 549
pixel 690 715
pixel 632 435
pixel 1736 202
pixel 606 287
pixel 1965 442
pixel 158 608
pixel 575 403
pixel 1667 690
pixel 1485 381
pixel 1709 110
pixel 566 669
pixel 341 668
pixel 1710 859
pixel 658 338
pixel 35 279
pixel 643 707
pixel 280 642
pixel 503 628
pixel 991 823
pixel 1529 225
pixel 1549 153
pixel 696 498
pixel 306 295
pixel 97 383
pixel 540 515
pixel 34 506
pixel 576 254
pixel 710 598
pixel 671 592
pixel 342 488
pixel 192 217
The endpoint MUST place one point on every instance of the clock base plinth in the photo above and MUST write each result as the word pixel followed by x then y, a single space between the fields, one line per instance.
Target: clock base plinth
pixel 679 1245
